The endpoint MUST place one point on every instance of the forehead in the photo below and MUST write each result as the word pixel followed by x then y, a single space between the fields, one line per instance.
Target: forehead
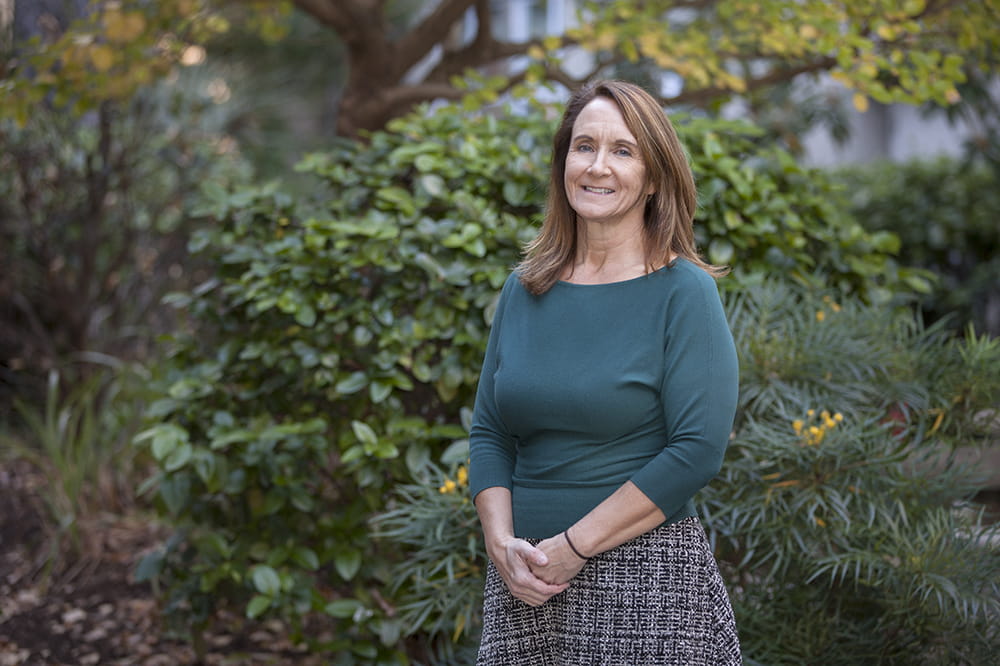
pixel 601 116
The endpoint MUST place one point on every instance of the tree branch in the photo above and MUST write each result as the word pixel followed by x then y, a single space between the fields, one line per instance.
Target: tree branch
pixel 410 95
pixel 342 17
pixel 701 96
pixel 478 53
pixel 433 30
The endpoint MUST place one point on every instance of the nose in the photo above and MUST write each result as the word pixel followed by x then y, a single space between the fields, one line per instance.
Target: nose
pixel 599 166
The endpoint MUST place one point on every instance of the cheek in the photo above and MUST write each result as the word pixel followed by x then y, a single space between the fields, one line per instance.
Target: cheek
pixel 574 165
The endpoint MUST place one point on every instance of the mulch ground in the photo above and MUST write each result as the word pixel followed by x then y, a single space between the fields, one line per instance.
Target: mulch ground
pixel 89 609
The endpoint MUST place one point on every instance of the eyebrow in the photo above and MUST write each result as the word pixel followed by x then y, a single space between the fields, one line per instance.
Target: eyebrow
pixel 587 137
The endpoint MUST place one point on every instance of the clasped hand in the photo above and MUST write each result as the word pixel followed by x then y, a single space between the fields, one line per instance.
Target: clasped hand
pixel 535 574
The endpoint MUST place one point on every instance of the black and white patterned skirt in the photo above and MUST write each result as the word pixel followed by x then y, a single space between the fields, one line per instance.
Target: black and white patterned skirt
pixel 658 599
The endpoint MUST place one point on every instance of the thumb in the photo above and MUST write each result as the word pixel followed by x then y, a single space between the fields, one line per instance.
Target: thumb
pixel 530 554
pixel 537 556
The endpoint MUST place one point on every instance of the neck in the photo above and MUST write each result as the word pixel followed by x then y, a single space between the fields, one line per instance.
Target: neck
pixel 608 251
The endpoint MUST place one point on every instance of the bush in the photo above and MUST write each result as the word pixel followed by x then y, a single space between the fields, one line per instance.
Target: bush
pixel 93 227
pixel 340 340
pixel 945 214
pixel 841 522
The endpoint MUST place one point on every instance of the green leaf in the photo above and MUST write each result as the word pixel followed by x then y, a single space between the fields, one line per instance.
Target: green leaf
pixel 456 453
pixel 306 558
pixel 347 563
pixel 353 383
pixel 266 580
pixel 258 605
pixel 379 391
pixel 364 433
pixel 175 490
pixel 343 608
pixel 720 251
pixel 305 315
pixel 178 458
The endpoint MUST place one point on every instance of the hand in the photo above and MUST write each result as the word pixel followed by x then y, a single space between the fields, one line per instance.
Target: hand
pixel 514 559
pixel 562 563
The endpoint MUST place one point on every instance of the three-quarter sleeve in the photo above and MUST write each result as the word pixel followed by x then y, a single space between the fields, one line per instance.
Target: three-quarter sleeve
pixel 698 395
pixel 492 449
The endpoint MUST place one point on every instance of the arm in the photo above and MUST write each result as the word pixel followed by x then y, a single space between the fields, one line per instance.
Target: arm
pixel 624 515
pixel 698 394
pixel 492 453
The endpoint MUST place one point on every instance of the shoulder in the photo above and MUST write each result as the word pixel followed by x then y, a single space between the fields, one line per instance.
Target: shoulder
pixel 684 278
pixel 512 290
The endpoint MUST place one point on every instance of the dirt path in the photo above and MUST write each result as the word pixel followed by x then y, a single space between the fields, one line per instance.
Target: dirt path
pixel 91 610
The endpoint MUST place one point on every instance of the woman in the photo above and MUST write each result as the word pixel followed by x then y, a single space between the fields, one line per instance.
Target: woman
pixel 606 400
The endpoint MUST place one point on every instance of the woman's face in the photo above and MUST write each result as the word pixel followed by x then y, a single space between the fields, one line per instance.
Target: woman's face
pixel 605 176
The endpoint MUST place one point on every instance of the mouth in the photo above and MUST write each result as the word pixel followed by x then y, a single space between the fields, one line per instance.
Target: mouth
pixel 597 190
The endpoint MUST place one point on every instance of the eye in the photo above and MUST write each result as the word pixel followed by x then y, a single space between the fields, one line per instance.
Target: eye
pixel 584 148
pixel 623 152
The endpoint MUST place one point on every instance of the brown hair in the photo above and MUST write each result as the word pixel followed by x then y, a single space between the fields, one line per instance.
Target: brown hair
pixel 669 214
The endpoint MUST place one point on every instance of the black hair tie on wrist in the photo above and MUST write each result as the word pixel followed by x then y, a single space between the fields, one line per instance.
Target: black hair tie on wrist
pixel 573 548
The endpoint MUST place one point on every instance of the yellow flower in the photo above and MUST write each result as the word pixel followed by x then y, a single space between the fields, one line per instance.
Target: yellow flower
pixel 820 315
pixel 448 487
pixel 810 413
pixel 838 417
pixel 797 424
pixel 463 476
pixel 834 307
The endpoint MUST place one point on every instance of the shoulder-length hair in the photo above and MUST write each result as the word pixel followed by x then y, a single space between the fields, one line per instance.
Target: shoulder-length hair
pixel 668 228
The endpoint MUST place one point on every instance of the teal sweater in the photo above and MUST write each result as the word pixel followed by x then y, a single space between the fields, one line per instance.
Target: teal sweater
pixel 588 386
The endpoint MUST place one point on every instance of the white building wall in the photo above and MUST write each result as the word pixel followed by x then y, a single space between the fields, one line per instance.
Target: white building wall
pixel 897 132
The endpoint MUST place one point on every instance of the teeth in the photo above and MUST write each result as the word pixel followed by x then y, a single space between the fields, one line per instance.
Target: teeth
pixel 598 190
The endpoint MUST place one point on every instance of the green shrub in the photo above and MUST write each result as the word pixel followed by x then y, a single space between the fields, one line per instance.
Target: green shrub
pixel 842 526
pixel 340 339
pixel 856 542
pixel 945 213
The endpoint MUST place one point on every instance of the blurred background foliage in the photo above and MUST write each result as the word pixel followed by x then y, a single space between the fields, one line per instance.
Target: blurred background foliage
pixel 945 213
pixel 289 323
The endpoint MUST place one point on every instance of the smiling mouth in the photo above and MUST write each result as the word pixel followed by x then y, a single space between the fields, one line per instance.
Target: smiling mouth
pixel 597 190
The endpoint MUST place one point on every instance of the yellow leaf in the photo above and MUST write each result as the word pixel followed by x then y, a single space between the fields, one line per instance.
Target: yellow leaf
pixel 102 57
pixel 840 77
pixel 886 32
pixel 860 102
pixel 808 32
pixel 123 28
pixel 605 41
pixel 552 42
pixel 135 24
pixel 536 52
pixel 937 421
pixel 953 96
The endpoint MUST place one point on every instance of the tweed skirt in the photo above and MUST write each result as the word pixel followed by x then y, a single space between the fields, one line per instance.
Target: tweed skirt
pixel 658 599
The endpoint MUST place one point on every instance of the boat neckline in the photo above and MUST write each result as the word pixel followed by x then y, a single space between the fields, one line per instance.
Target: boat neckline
pixel 661 269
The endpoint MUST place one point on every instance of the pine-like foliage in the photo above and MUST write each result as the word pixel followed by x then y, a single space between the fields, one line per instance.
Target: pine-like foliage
pixel 842 519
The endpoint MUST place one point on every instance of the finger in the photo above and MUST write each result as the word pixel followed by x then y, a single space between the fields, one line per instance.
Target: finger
pixel 530 554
